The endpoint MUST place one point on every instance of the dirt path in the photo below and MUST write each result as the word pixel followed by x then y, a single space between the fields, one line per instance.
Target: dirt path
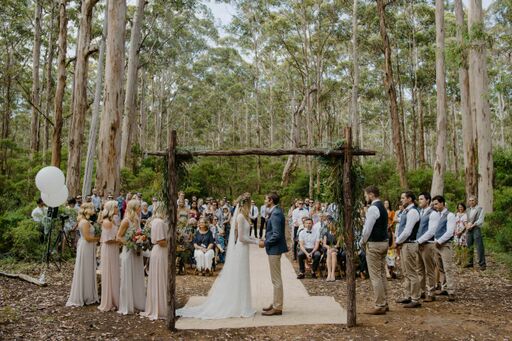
pixel 483 311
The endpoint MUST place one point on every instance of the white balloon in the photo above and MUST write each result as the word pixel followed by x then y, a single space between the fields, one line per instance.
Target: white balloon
pixel 57 199
pixel 50 180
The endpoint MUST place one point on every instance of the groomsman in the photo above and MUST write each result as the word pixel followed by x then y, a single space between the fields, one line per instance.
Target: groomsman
pixel 443 239
pixel 427 249
pixel 375 238
pixel 253 215
pixel 406 241
pixel 474 234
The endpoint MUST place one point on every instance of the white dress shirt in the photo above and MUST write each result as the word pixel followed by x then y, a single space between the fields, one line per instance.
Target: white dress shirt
pixel 298 214
pixel 309 239
pixel 413 216
pixel 450 227
pixel 254 212
pixel 263 211
pixel 371 217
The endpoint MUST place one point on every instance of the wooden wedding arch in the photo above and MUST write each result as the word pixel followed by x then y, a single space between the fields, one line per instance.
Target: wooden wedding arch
pixel 346 153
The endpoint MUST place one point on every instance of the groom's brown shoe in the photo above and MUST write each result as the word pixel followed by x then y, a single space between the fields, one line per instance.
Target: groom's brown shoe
pixel 272 312
pixel 270 307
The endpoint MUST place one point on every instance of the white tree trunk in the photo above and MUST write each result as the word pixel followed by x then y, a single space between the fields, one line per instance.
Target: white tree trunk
pixel 440 160
pixel 36 55
pixel 93 131
pixel 108 174
pixel 468 142
pixel 79 109
pixel 129 120
pixel 478 83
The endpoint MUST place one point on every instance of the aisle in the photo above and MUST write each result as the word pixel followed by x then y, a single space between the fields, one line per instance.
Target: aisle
pixel 299 307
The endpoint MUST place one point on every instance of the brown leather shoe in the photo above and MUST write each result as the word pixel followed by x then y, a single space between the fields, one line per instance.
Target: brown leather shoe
pixel 376 311
pixel 272 312
pixel 270 307
pixel 404 300
pixel 451 298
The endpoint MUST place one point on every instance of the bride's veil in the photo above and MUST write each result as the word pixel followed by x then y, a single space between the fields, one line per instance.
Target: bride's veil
pixel 220 302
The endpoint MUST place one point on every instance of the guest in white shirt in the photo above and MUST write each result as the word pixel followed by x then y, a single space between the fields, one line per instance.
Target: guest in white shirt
pixel 263 219
pixel 297 215
pixel 309 242
pixel 253 215
pixel 39 212
pixel 96 200
pixel 443 238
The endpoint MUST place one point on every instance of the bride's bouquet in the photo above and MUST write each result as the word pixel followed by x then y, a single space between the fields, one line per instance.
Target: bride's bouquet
pixel 138 240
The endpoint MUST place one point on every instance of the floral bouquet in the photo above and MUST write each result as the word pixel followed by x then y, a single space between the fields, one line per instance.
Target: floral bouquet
pixel 97 229
pixel 138 240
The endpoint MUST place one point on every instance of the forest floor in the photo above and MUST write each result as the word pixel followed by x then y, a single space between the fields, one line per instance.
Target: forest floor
pixel 483 311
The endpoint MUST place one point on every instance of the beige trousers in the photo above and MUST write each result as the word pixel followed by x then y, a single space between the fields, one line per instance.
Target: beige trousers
pixel 427 267
pixel 274 262
pixel 409 255
pixel 376 258
pixel 445 252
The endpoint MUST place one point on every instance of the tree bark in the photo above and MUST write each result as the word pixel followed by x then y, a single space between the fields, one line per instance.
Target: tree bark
pixel 7 107
pixel 79 109
pixel 354 110
pixel 440 162
pixel 390 88
pixel 130 105
pixel 468 129
pixel 61 84
pixel 172 197
pixel 93 130
pixel 421 142
pixel 49 81
pixel 36 55
pixel 143 114
pixel 108 174
pixel 478 82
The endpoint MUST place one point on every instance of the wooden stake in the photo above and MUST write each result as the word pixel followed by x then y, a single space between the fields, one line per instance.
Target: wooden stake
pixel 172 197
pixel 349 229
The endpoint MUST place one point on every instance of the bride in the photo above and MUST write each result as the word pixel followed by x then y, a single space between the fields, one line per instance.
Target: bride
pixel 230 295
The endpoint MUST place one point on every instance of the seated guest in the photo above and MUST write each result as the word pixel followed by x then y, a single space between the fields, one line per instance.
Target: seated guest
pixel 218 236
pixel 84 288
pixel 309 248
pixel 184 246
pixel 331 244
pixel 203 246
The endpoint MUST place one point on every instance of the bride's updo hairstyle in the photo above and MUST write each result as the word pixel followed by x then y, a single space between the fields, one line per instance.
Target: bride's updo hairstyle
pixel 244 201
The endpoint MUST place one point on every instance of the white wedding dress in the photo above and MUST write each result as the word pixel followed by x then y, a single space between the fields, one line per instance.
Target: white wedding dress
pixel 230 295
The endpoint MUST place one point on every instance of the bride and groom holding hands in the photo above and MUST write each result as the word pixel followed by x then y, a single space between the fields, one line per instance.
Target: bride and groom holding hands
pixel 230 295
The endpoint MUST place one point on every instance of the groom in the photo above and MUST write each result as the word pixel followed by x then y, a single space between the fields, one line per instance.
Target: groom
pixel 275 245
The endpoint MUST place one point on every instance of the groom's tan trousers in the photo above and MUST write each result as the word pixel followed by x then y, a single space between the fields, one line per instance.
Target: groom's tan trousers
pixel 277 282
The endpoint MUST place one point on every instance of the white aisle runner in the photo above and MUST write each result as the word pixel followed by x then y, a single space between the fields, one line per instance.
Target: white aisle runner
pixel 299 307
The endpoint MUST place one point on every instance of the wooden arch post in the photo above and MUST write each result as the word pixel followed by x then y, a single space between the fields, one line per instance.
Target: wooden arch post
pixel 172 197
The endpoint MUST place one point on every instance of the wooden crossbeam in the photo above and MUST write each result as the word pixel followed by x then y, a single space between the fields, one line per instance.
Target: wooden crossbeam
pixel 266 152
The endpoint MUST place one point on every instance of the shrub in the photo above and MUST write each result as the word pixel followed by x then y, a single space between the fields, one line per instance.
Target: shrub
pixel 26 240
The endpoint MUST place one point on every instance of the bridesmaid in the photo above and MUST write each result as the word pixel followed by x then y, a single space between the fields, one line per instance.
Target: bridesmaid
pixel 109 258
pixel 131 294
pixel 84 288
pixel 156 301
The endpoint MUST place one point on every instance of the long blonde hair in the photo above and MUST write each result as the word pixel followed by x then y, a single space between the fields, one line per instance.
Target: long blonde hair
pixel 86 211
pixel 109 210
pixel 159 211
pixel 131 210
